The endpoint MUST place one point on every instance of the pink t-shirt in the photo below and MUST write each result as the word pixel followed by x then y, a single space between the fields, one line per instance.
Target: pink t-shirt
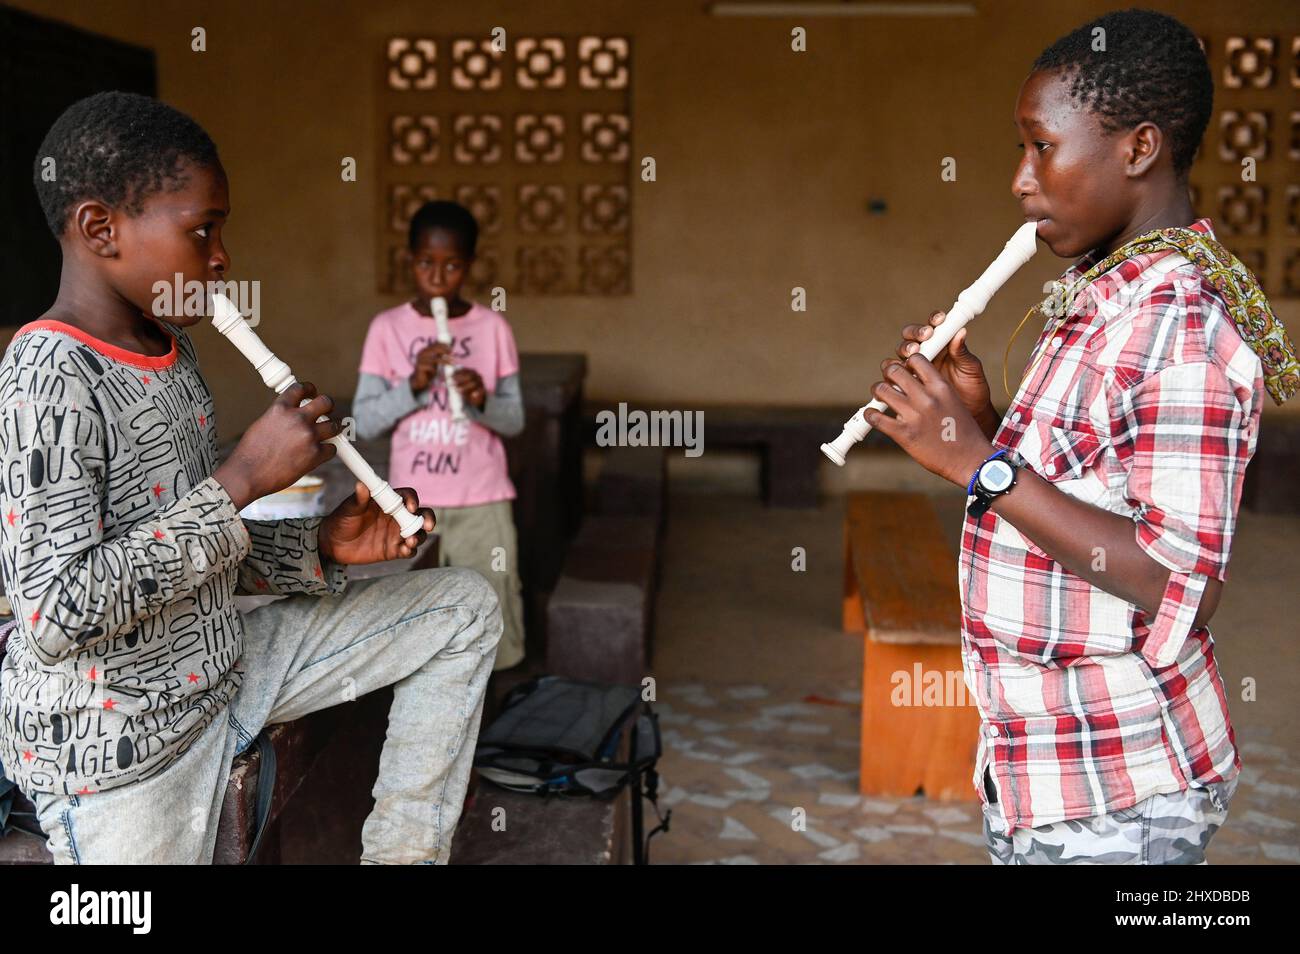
pixel 449 464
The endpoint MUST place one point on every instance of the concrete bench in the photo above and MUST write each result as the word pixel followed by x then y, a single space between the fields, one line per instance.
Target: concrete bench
pixel 600 616
pixel 503 827
pixel 546 468
pixel 297 746
pixel 542 830
pixel 901 597
pixel 788 439
pixel 633 482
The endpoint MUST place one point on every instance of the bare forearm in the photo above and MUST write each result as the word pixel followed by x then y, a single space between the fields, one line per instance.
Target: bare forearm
pixel 1094 544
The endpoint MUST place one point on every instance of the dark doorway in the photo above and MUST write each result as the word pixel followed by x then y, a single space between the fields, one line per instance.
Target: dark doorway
pixel 44 68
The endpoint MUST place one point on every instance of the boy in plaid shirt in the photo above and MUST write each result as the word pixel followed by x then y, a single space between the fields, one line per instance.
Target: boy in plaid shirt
pixel 1097 540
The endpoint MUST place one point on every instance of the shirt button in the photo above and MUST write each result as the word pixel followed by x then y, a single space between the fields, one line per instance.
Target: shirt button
pixel 1050 469
pixel 1057 341
pixel 1015 417
pixel 993 732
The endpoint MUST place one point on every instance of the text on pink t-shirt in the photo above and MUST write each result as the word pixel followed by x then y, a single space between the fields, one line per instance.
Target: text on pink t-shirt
pixel 448 463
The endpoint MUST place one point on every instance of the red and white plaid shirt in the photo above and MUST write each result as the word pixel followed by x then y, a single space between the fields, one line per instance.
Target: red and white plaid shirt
pixel 1146 404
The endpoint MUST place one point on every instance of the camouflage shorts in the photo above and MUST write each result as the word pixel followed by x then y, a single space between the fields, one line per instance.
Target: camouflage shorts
pixel 1166 829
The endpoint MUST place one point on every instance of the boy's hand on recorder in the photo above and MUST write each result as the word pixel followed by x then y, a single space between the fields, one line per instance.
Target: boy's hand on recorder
pixel 470 384
pixel 428 362
pixel 930 421
pixel 956 364
pixel 359 532
pixel 280 446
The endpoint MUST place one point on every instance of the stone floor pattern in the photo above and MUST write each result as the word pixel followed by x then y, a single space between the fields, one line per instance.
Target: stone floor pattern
pixel 755 777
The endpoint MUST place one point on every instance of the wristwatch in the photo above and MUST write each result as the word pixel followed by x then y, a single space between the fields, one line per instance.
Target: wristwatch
pixel 991 480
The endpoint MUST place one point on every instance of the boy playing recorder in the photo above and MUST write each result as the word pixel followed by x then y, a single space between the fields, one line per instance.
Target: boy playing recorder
pixel 131 682
pixel 1102 507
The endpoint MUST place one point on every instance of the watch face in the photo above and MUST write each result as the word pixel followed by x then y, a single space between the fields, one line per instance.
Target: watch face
pixel 996 476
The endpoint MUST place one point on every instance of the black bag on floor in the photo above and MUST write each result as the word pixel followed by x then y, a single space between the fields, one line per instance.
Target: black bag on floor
pixel 555 736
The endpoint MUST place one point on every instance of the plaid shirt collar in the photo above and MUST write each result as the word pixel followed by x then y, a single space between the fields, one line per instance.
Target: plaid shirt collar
pixel 1112 283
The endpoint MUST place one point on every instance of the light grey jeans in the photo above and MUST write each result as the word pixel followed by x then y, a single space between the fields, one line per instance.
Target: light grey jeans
pixel 431 634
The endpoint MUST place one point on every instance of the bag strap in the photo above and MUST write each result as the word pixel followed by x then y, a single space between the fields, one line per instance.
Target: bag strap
pixel 652 795
pixel 265 790
pixel 12 821
pixel 6 802
pixel 8 787
pixel 646 785
pixel 521 692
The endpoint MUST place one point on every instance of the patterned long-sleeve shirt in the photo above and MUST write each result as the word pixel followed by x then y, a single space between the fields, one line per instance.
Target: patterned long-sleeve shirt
pixel 1146 404
pixel 121 556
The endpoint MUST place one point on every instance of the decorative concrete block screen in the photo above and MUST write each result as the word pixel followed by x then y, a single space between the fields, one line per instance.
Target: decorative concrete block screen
pixel 535 139
pixel 1255 205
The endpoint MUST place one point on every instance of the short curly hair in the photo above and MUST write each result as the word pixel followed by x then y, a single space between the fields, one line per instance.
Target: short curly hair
pixel 118 148
pixel 1152 68
pixel 451 216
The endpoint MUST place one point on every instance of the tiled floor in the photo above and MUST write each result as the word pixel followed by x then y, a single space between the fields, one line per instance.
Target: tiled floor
pixel 758 691
pixel 762 777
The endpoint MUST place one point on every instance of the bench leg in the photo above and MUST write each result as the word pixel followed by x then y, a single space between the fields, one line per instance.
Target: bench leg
pixel 854 620
pixel 909 747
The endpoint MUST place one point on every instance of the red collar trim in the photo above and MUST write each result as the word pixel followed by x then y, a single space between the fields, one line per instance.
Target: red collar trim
pixel 133 358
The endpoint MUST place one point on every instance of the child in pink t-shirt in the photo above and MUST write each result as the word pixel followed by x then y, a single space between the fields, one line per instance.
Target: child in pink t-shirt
pixel 456 467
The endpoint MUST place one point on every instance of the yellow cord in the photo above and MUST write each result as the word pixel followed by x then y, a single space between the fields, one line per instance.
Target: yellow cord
pixel 1006 357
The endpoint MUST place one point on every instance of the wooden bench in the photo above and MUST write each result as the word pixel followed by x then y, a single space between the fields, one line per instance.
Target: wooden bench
pixel 23 847
pixel 332 805
pixel 901 594
pixel 299 745
pixel 326 765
